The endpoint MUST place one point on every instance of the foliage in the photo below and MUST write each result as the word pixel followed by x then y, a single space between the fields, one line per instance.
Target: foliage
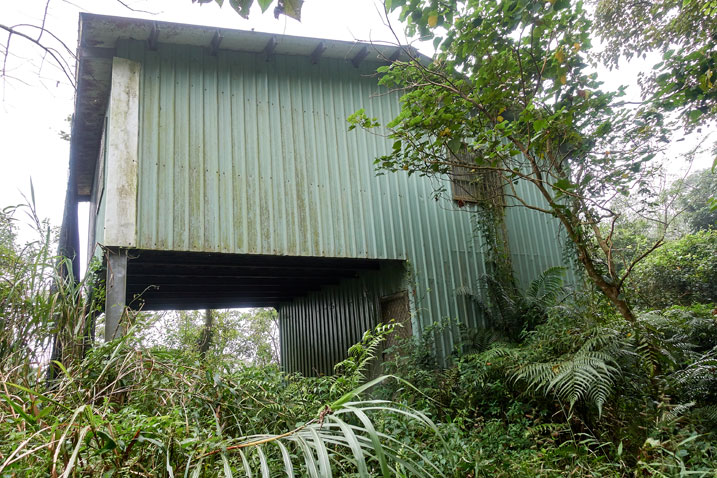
pixel 681 272
pixel 362 357
pixel 510 93
pixel 290 8
pixel 250 335
pixel 513 312
pixel 698 187
pixel 41 310
pixel 683 32
pixel 131 411
pixel 583 394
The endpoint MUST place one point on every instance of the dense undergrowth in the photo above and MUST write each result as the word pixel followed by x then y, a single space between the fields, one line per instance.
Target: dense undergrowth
pixel 561 386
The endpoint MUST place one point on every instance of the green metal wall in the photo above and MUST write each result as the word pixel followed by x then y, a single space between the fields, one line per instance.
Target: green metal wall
pixel 242 155
pixel 317 330
pixel 537 241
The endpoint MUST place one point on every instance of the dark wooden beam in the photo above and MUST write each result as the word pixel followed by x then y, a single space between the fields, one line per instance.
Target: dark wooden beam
pixel 198 305
pixel 395 55
pixel 153 37
pixel 318 51
pixel 216 41
pixel 158 266
pixel 359 57
pixel 270 47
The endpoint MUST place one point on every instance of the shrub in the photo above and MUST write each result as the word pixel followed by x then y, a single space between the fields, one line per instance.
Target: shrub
pixel 681 272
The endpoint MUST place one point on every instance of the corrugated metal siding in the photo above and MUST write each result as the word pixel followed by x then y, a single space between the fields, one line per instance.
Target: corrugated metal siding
pixel 99 222
pixel 243 155
pixel 317 330
pixel 536 239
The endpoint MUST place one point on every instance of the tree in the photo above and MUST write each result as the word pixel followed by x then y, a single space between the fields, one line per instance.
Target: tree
pixel 694 201
pixel 290 8
pixel 682 272
pixel 250 335
pixel 509 95
pixel 684 32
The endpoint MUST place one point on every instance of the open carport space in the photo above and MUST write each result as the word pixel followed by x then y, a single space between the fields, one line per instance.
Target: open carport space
pixel 160 280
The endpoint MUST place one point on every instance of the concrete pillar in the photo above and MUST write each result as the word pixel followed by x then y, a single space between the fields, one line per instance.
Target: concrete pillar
pixel 116 293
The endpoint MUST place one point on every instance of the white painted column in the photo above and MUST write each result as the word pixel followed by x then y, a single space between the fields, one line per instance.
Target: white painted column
pixel 120 193
pixel 122 155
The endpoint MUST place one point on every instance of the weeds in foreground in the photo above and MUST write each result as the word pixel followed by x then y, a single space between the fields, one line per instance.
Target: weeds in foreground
pixel 127 411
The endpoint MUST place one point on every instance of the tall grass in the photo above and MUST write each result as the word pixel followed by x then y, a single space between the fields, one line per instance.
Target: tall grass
pixel 122 409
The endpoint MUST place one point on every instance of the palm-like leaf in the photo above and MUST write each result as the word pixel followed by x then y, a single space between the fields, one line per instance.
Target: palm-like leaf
pixel 320 446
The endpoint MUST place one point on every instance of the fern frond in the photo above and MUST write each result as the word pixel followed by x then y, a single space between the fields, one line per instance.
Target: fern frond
pixel 545 290
pixel 586 376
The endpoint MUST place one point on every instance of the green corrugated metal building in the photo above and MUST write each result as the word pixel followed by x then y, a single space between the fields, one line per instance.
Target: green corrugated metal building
pixel 221 173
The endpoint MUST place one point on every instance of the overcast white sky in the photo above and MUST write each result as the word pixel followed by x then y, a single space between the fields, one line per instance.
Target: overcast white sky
pixel 36 99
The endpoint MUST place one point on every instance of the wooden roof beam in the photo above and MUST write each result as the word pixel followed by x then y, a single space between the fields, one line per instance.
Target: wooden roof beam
pixel 216 41
pixel 153 37
pixel 318 51
pixel 359 57
pixel 270 47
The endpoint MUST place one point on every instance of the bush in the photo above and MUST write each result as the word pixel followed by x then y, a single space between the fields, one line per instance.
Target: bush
pixel 681 272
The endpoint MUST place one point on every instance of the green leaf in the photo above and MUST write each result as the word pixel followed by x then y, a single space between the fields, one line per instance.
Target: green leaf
pixel 108 443
pixel 18 409
pixel 375 441
pixel 540 124
pixel 292 8
pixel 338 404
pixel 354 445
pixel 241 6
pixel 264 4
pixel 694 115
pixel 455 143
pixel 563 184
pixel 227 469
pixel 286 458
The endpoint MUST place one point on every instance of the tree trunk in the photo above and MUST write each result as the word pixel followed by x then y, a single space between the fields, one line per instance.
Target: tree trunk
pixel 205 339
pixel 611 291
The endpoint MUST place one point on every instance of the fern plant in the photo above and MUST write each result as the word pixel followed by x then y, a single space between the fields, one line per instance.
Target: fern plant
pixel 588 375
pixel 512 312
pixel 361 357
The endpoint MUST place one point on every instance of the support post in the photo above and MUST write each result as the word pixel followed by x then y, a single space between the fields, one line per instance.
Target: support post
pixel 116 293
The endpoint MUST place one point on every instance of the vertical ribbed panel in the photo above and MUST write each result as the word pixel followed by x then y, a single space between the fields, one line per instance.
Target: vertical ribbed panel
pixel 536 239
pixel 317 330
pixel 248 156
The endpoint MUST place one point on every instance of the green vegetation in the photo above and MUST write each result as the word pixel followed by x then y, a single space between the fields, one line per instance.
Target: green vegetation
pixel 561 385
pixel 682 272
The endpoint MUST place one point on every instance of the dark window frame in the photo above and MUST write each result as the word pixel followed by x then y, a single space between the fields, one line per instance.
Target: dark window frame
pixel 471 184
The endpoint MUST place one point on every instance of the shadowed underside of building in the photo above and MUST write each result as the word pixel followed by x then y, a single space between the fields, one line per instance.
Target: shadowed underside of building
pixel 220 172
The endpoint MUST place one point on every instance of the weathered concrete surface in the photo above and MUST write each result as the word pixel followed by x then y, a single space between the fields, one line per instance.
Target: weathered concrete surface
pixel 122 160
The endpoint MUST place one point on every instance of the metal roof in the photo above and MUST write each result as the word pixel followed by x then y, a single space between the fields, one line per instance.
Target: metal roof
pixel 98 35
